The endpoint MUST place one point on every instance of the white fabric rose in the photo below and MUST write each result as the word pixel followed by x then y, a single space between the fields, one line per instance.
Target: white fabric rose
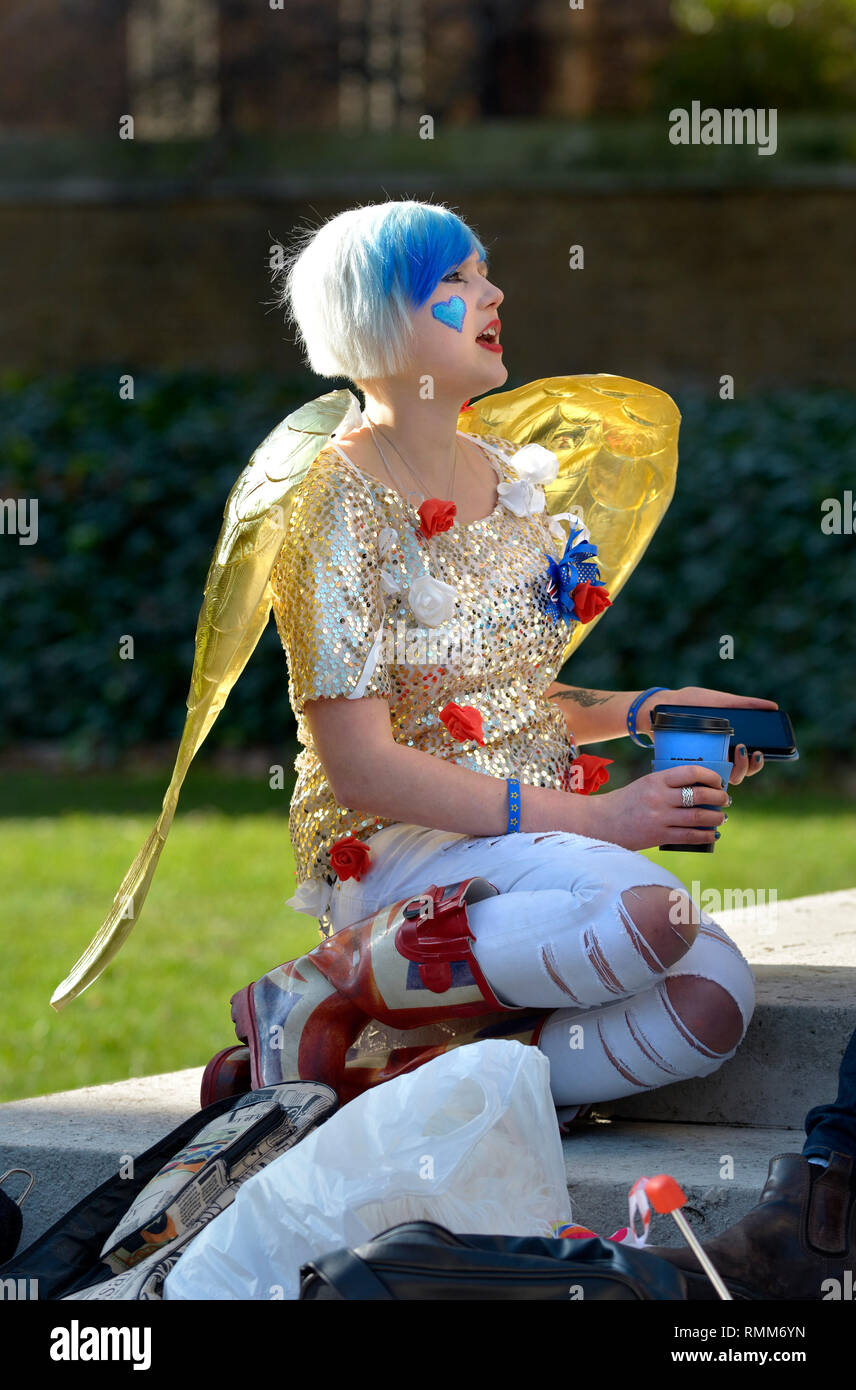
pixel 431 601
pixel 387 539
pixel 522 498
pixel 312 896
pixel 535 464
pixel 576 524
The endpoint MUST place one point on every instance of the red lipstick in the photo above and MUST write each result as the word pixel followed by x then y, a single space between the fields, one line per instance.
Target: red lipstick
pixel 491 342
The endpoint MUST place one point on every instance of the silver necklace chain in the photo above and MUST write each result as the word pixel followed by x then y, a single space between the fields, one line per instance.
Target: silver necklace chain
pixel 419 493
pixel 413 497
pixel 451 485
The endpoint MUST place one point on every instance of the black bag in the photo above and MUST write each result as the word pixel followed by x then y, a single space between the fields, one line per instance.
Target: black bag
pixel 11 1218
pixel 420 1260
pixel 66 1259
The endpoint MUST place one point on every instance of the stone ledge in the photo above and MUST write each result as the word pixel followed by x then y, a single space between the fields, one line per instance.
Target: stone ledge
pixel 72 1141
pixel 816 930
pixel 803 949
pixel 604 1159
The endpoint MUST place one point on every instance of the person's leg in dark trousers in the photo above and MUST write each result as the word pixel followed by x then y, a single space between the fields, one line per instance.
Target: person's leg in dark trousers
pixel 800 1237
pixel 832 1127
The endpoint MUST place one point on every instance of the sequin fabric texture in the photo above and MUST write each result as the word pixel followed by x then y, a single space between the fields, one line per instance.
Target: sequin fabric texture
pixel 342 605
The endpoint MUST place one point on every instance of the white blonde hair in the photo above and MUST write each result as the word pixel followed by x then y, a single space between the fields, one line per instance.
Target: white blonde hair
pixel 351 286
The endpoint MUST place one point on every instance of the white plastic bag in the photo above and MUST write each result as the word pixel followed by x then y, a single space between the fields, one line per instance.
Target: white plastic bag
pixel 468 1140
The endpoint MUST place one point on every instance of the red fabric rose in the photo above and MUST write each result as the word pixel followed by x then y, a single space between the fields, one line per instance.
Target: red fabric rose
pixel 588 601
pixel 463 722
pixel 350 858
pixel 593 770
pixel 435 515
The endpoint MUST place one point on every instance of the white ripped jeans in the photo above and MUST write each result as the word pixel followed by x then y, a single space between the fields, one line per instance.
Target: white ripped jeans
pixel 559 935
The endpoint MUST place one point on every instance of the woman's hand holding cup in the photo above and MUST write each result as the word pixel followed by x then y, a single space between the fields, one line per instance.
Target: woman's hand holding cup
pixel 650 811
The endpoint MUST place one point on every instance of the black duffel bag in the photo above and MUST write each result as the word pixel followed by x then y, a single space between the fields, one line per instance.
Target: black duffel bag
pixel 420 1260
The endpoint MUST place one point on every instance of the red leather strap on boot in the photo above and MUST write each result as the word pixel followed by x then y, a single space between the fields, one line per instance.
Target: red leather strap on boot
pixel 436 934
pixel 420 946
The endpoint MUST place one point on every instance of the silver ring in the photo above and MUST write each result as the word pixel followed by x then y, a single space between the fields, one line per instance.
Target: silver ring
pixel 686 796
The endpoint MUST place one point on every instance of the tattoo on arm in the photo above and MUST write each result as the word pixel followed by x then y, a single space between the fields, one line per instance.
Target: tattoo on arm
pixel 582 697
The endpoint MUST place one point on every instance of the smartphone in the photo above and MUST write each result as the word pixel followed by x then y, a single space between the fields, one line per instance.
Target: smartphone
pixel 767 731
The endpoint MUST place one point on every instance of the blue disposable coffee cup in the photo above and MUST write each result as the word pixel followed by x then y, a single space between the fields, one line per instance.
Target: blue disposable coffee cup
pixel 690 738
pixel 680 739
pixel 723 768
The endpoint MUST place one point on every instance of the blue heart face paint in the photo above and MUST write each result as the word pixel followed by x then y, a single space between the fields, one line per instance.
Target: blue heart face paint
pixel 451 312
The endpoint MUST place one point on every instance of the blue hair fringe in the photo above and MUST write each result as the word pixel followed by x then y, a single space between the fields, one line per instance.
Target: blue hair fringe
pixel 418 246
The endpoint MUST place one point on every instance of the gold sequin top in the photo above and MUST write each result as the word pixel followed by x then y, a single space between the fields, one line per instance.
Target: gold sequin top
pixel 356 618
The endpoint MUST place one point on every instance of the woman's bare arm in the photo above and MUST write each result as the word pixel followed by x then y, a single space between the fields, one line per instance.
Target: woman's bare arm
pixel 368 771
pixel 594 716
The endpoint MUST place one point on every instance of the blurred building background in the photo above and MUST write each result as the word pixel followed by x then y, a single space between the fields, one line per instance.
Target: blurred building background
pixel 152 151
pixel 154 154
pixel 199 67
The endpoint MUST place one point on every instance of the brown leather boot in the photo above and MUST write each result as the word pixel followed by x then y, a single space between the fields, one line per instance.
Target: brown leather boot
pixel 801 1233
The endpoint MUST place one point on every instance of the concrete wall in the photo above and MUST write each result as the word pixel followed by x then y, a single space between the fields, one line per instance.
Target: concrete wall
pixel 679 286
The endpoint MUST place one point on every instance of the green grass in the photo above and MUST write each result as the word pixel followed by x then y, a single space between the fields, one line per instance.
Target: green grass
pixel 215 916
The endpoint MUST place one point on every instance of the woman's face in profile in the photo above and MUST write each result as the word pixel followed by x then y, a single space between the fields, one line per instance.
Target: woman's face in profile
pixel 448 346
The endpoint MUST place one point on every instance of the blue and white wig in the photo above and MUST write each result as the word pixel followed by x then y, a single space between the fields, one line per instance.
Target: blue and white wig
pixel 352 287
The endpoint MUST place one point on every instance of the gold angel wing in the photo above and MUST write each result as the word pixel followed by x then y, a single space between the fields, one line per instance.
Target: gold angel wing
pixel 617 444
pixel 234 613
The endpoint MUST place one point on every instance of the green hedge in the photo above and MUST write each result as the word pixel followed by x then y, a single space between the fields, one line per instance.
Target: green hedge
pixel 131 496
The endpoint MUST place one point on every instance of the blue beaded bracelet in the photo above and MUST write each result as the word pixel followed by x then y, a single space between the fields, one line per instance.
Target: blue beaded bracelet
pixel 513 805
pixel 634 710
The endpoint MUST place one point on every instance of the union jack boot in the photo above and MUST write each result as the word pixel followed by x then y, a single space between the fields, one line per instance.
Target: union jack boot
pixel 378 998
pixel 227 1074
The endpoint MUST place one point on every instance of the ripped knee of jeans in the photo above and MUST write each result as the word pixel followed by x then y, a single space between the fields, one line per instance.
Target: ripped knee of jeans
pixel 663 922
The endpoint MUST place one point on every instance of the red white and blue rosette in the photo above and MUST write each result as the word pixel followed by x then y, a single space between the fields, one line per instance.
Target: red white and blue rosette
pixel 575 591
